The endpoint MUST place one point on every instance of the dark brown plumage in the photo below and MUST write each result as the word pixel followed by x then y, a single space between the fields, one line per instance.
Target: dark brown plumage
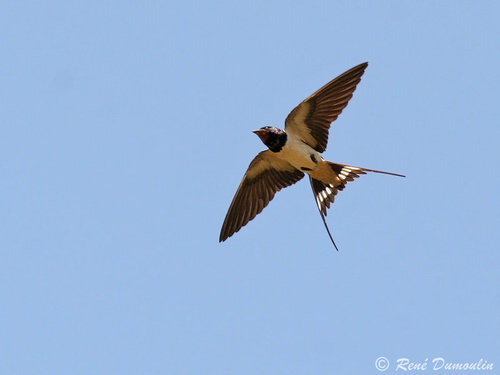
pixel 323 107
pixel 264 178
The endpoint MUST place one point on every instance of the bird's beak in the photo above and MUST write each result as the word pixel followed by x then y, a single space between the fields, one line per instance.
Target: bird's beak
pixel 262 134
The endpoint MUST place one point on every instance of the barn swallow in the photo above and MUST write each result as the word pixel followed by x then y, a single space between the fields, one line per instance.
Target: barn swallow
pixel 295 151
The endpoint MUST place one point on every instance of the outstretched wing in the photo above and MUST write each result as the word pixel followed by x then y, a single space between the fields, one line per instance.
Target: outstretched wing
pixel 266 175
pixel 311 119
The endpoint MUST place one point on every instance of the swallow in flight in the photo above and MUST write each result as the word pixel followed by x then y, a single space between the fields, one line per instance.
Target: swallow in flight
pixel 295 151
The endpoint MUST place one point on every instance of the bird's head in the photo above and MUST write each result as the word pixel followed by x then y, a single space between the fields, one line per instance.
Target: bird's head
pixel 272 137
pixel 264 133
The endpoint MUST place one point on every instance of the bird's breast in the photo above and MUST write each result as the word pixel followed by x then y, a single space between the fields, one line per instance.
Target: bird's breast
pixel 300 155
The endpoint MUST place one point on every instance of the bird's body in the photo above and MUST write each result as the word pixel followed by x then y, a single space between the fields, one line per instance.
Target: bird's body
pixel 306 159
pixel 300 155
pixel 295 151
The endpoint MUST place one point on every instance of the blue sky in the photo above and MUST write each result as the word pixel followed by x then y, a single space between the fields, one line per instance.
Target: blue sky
pixel 127 129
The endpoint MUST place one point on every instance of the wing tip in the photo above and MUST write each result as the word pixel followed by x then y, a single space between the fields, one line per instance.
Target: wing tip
pixel 361 66
pixel 224 235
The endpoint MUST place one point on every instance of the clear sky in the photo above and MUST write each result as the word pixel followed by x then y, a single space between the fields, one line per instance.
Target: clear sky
pixel 126 129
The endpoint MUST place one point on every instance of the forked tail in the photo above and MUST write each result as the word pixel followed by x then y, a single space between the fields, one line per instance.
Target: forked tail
pixel 324 193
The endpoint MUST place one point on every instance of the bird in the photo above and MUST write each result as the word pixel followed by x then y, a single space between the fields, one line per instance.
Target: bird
pixel 295 151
